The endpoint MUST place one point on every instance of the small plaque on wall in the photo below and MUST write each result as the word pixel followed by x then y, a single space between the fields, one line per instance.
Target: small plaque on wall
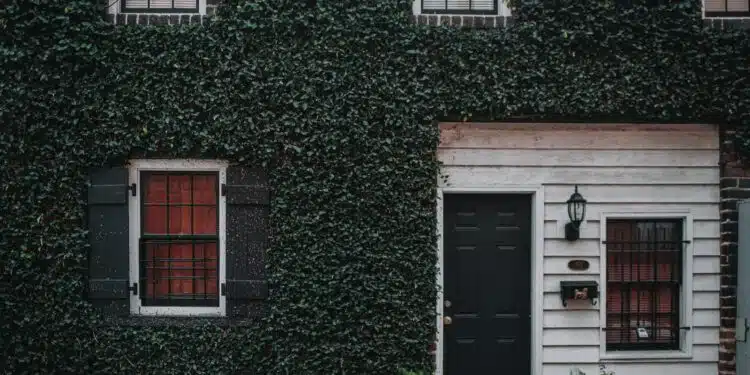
pixel 578 265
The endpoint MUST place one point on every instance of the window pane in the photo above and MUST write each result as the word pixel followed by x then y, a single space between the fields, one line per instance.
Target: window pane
pixel 433 4
pixel 185 4
pixel 136 4
pixel 161 4
pixel 716 5
pixel 180 272
pixel 180 204
pixel 483 4
pixel 737 5
pixel 204 220
pixel 204 189
pixel 458 4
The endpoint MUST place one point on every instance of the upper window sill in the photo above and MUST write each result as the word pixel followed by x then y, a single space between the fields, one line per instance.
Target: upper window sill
pixel 644 356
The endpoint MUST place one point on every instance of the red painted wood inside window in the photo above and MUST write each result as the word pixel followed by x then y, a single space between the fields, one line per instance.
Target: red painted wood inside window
pixel 182 204
pixel 643 274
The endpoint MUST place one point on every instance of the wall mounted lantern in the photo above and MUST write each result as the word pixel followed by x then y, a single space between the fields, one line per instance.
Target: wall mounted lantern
pixel 576 213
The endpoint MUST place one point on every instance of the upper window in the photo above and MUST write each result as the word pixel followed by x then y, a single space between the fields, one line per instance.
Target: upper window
pixel 460 6
pixel 160 6
pixel 645 284
pixel 727 8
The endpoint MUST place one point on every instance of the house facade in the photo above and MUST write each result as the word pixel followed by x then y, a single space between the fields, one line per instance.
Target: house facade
pixel 560 247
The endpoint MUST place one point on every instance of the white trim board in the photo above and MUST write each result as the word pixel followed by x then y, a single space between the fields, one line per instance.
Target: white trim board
pixel 135 167
pixel 537 260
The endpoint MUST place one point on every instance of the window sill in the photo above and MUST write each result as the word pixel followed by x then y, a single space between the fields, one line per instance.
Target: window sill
pixel 644 355
pixel 186 322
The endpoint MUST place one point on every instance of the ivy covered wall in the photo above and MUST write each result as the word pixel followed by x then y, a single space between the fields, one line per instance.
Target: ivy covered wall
pixel 338 101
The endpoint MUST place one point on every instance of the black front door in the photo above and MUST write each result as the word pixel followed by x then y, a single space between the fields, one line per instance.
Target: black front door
pixel 487 284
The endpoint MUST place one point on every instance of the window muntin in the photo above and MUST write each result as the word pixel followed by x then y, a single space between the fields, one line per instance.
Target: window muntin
pixel 179 239
pixel 460 6
pixel 160 6
pixel 644 280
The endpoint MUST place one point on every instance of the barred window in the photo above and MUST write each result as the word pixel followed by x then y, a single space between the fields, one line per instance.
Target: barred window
pixel 160 6
pixel 460 6
pixel 179 239
pixel 644 276
pixel 727 8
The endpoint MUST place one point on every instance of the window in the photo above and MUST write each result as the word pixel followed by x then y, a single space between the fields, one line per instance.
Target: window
pixel 727 8
pixel 182 237
pixel 460 6
pixel 177 247
pixel 160 6
pixel 645 284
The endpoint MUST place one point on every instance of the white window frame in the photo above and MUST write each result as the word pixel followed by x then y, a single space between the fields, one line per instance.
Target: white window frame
pixel 686 292
pixel 134 207
pixel 115 7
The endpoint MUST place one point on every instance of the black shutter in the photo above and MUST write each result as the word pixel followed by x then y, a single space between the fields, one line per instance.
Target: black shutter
pixel 248 196
pixel 108 287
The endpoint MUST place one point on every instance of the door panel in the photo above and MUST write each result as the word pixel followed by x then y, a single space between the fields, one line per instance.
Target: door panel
pixel 743 289
pixel 487 279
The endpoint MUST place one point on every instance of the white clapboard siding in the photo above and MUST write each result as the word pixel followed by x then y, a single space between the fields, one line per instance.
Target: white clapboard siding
pixel 598 158
pixel 619 168
pixel 630 194
pixel 559 246
pixel 591 229
pixel 700 211
pixel 695 368
pixel 505 176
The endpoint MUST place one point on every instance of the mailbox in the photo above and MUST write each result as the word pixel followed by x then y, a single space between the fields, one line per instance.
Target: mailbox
pixel 579 290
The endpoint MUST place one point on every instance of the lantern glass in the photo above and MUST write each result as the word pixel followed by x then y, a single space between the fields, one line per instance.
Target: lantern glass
pixel 576 207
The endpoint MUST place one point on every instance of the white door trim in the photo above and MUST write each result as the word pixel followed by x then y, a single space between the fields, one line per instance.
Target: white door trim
pixel 537 259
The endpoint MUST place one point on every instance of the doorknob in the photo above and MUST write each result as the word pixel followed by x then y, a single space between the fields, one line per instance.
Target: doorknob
pixel 447 320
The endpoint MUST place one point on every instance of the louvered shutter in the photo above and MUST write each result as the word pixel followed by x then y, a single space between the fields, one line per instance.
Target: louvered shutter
pixel 247 196
pixel 108 277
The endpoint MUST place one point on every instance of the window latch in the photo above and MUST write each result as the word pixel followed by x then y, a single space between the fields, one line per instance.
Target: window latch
pixel 134 288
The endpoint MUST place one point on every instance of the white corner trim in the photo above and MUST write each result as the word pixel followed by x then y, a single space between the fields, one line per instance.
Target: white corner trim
pixel 686 294
pixel 537 261
pixel 189 165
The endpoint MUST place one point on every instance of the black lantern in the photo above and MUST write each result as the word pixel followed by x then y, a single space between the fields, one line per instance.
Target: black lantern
pixel 576 213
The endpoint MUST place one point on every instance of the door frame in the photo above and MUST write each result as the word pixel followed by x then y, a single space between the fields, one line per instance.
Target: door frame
pixel 537 258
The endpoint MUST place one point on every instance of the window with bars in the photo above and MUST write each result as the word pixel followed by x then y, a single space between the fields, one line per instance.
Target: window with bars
pixel 460 6
pixel 160 6
pixel 644 280
pixel 727 8
pixel 179 239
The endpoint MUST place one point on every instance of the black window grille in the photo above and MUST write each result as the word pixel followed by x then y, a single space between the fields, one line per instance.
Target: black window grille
pixel 159 6
pixel 179 239
pixel 727 8
pixel 644 278
pixel 460 7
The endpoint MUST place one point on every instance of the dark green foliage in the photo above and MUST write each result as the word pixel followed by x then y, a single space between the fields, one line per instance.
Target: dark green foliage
pixel 338 103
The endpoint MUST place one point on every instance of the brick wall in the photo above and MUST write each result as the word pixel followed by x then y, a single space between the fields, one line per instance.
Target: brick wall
pixel 735 186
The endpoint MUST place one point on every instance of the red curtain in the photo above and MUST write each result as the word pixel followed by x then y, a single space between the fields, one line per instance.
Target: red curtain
pixel 639 282
pixel 181 204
